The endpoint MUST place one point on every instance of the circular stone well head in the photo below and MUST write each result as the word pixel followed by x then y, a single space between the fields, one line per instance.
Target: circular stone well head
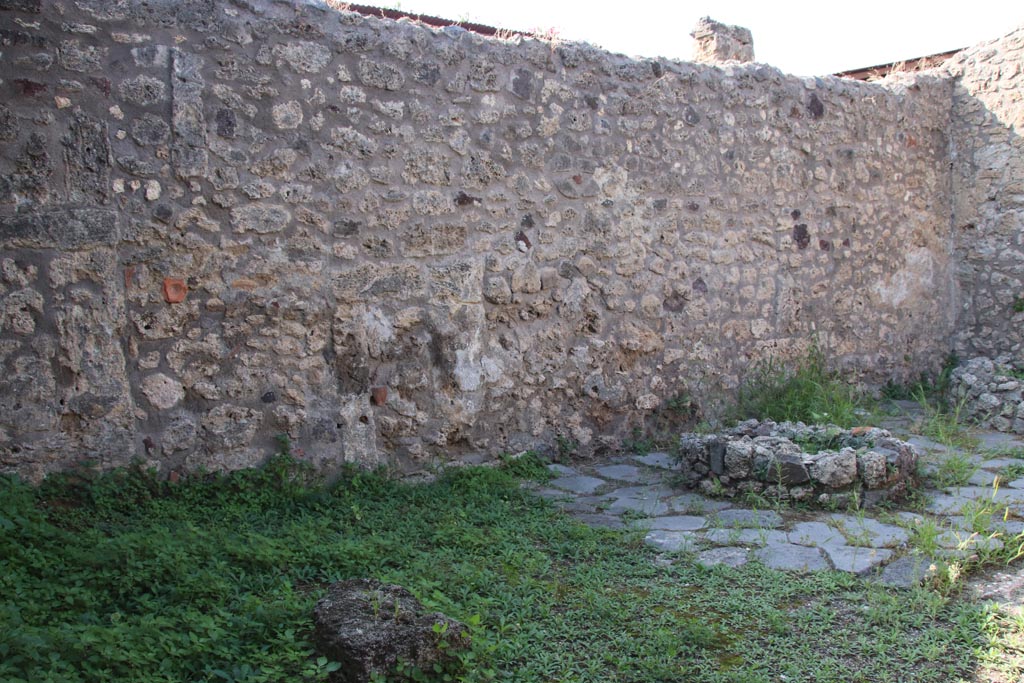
pixel 822 465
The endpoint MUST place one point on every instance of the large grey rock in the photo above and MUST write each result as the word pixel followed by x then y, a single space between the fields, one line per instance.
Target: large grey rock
pixel 835 470
pixel 369 626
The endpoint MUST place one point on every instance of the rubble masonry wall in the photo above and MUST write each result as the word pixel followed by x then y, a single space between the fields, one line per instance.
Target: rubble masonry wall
pixel 519 240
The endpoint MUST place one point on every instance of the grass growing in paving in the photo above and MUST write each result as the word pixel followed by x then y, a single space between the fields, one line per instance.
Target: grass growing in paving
pixel 125 578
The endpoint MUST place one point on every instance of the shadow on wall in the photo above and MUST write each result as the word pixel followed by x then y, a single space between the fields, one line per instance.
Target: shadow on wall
pixel 988 186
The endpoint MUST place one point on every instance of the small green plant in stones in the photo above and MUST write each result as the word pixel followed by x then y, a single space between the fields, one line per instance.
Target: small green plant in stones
pixel 924 535
pixel 565 447
pixel 1012 472
pixel 955 468
pixel 933 388
pixel 639 443
pixel 946 426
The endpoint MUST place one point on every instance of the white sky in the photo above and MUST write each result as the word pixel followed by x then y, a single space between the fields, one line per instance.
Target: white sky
pixel 804 38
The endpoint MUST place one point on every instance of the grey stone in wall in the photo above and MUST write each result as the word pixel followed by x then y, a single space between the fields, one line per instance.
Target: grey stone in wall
pixel 67 228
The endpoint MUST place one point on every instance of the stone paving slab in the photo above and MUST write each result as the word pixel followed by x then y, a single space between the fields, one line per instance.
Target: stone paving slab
pixel 815 534
pixel 922 443
pixel 1000 463
pixel 658 491
pixel 1009 527
pixel 660 460
pixel 947 504
pixel 575 507
pixel 790 557
pixel 856 560
pixel 643 506
pixel 745 537
pixel 907 571
pixel 730 557
pixel 982 478
pixel 1007 496
pixel 964 544
pixel 1004 586
pixel 738 517
pixel 627 473
pixel 910 517
pixel 998 440
pixel 578 484
pixel 696 503
pixel 678 523
pixel 553 494
pixel 562 470
pixel 671 541
pixel 864 531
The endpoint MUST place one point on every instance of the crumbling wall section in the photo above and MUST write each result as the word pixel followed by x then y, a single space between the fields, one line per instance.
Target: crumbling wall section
pixel 224 221
pixel 988 179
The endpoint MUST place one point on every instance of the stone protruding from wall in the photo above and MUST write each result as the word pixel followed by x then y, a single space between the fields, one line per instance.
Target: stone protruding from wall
pixel 715 42
pixel 222 222
pixel 987 154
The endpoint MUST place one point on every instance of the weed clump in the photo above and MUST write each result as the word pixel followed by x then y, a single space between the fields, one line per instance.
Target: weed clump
pixel 807 391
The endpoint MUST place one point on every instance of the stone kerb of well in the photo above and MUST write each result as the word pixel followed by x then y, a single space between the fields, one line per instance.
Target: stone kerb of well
pixel 819 465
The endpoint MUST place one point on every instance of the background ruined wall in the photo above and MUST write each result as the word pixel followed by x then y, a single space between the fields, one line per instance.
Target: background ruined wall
pixel 519 240
pixel 988 181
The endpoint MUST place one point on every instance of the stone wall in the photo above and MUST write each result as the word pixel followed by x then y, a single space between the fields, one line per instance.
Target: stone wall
pixel 224 221
pixel 988 182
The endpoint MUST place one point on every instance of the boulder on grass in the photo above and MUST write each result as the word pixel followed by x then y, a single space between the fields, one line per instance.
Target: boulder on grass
pixel 370 627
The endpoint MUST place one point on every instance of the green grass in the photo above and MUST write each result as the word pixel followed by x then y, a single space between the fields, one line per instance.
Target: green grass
pixel 1012 472
pixel 127 578
pixel 806 391
pixel 954 469
pixel 933 387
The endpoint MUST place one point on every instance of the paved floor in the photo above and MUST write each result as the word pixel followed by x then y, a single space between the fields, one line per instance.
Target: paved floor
pixel 638 491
